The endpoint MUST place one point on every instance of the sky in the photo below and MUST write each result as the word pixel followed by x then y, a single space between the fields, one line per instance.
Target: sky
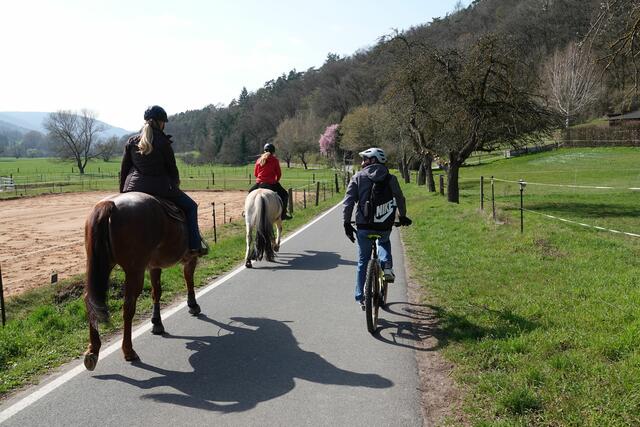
pixel 118 57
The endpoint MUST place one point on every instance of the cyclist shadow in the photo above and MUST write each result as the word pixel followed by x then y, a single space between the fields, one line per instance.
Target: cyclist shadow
pixel 248 361
pixel 426 327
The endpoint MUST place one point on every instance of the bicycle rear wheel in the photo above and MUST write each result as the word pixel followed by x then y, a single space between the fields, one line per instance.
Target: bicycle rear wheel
pixel 372 295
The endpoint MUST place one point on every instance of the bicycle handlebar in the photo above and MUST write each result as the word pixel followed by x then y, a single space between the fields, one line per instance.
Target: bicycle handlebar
pixel 395 223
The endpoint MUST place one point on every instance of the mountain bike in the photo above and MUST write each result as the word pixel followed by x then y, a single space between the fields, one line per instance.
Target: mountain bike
pixel 375 285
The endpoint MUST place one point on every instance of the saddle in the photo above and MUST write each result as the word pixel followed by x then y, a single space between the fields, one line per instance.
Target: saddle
pixel 173 211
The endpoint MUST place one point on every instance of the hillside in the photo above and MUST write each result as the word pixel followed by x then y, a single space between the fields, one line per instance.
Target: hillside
pixel 28 121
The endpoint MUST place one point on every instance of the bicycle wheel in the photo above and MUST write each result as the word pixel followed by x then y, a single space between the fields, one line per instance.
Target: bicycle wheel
pixel 371 295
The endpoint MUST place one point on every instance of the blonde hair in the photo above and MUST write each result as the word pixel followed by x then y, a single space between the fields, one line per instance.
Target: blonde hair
pixel 146 138
pixel 264 157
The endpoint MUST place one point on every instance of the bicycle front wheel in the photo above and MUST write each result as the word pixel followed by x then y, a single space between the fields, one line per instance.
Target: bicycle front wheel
pixel 371 295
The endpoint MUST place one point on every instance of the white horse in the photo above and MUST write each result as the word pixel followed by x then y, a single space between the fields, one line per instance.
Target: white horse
pixel 262 210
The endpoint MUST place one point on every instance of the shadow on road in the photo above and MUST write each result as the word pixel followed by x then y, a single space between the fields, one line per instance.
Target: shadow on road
pixel 430 328
pixel 310 260
pixel 250 360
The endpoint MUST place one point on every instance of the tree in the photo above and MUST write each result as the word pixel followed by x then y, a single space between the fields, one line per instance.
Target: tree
pixel 74 135
pixel 482 99
pixel 328 142
pixel 108 148
pixel 572 81
pixel 297 136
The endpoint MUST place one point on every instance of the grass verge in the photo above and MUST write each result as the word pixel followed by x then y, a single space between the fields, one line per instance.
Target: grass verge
pixel 47 327
pixel 543 327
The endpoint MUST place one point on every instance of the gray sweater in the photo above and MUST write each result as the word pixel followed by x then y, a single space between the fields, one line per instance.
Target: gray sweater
pixel 359 188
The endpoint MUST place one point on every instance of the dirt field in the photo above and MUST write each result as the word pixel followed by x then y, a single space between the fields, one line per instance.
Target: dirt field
pixel 45 234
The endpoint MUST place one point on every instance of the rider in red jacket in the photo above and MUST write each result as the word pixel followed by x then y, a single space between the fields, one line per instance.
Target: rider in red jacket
pixel 267 172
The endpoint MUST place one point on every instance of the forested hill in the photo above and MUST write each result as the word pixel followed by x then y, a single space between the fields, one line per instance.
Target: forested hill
pixel 295 108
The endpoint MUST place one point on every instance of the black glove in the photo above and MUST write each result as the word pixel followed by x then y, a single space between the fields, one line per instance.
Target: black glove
pixel 349 231
pixel 404 221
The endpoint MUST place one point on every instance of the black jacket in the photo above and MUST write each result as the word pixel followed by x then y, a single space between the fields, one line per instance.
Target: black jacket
pixel 155 173
pixel 358 192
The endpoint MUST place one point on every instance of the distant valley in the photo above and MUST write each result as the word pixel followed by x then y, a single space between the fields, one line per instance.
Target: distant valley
pixel 23 122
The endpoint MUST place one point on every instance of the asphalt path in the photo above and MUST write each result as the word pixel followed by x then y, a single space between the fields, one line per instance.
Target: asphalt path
pixel 281 344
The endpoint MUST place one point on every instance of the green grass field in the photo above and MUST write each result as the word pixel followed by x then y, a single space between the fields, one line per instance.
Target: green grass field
pixel 543 327
pixel 43 175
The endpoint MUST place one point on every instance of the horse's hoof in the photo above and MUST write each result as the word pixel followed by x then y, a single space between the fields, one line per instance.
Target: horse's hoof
pixel 90 361
pixel 276 248
pixel 157 329
pixel 248 264
pixel 131 357
pixel 194 310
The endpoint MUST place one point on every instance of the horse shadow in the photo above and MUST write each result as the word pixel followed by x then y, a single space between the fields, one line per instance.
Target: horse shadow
pixel 309 260
pixel 430 328
pixel 242 366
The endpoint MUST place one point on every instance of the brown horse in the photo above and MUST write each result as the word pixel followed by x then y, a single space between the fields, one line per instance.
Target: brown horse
pixel 134 231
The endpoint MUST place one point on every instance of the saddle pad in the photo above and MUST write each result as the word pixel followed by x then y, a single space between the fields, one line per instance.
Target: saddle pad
pixel 173 211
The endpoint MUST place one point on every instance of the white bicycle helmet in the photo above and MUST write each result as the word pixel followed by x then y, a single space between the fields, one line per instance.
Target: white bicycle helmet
pixel 378 153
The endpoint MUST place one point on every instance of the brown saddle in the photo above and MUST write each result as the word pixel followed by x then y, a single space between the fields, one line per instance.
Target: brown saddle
pixel 172 210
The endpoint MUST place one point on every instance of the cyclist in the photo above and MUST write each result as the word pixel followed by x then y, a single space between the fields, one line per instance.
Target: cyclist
pixel 358 193
pixel 267 172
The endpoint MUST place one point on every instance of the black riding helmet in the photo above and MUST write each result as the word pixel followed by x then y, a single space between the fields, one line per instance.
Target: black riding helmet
pixel 270 148
pixel 156 112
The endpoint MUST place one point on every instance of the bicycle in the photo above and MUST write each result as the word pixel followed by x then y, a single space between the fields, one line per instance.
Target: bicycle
pixel 375 285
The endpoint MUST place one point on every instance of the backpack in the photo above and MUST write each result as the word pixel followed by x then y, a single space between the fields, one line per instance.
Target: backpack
pixel 380 207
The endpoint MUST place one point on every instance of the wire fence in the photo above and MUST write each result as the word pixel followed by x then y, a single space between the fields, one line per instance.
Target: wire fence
pixel 506 198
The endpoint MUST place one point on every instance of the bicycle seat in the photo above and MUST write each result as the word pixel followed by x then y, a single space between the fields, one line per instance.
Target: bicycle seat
pixel 373 236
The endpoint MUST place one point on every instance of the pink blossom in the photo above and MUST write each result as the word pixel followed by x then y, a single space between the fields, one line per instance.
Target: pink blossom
pixel 328 139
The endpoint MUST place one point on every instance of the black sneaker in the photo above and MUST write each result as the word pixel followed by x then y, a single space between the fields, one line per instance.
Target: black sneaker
pixel 361 302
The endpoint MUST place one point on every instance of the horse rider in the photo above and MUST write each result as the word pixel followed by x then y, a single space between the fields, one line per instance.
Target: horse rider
pixel 358 193
pixel 267 172
pixel 149 166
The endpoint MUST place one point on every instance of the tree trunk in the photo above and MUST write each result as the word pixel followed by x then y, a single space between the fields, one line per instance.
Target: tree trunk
pixel 422 174
pixel 453 192
pixel 431 184
pixel 304 162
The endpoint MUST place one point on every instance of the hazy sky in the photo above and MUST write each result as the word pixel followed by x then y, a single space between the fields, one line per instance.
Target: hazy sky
pixel 117 57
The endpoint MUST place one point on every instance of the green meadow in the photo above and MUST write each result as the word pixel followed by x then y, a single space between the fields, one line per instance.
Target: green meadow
pixel 543 326
pixel 46 175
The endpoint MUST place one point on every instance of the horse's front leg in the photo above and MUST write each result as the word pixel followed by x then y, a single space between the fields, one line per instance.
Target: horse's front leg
pixel 188 272
pixel 132 289
pixel 276 246
pixel 156 294
pixel 249 253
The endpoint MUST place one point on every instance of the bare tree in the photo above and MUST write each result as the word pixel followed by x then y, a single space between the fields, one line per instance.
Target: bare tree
pixel 74 135
pixel 108 148
pixel 572 80
pixel 617 29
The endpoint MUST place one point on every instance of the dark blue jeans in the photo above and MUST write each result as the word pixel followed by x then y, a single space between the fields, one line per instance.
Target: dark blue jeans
pixel 364 255
pixel 190 209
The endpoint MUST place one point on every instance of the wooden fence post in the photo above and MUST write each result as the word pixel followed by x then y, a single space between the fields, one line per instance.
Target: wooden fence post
pixel 442 185
pixel 4 316
pixel 215 236
pixel 290 201
pixel 317 192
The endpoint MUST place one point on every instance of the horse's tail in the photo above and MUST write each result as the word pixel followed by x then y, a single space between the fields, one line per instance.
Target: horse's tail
pixel 264 231
pixel 99 262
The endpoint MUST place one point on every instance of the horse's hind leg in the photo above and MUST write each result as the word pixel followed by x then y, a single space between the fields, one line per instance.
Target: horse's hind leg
pixel 134 281
pixel 91 355
pixel 276 245
pixel 188 271
pixel 249 253
pixel 156 293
